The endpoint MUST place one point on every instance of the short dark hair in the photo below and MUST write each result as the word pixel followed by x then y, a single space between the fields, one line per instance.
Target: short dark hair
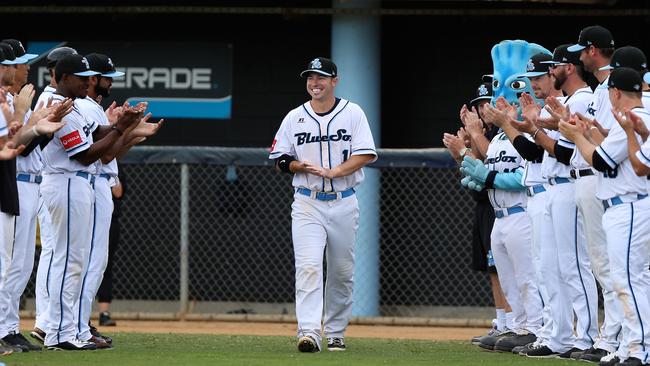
pixel 57 77
pixel 607 52
pixel 580 70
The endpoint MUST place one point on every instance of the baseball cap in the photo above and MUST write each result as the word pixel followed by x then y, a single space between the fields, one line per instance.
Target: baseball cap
pixel 595 35
pixel 104 65
pixel 483 92
pixel 625 78
pixel 9 55
pixel 74 64
pixel 537 65
pixel 321 65
pixel 562 56
pixel 57 54
pixel 627 56
pixel 21 55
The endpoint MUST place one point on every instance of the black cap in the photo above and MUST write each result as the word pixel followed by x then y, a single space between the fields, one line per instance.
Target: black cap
pixel 8 53
pixel 57 54
pixel 537 65
pixel 627 56
pixel 625 78
pixel 562 56
pixel 21 55
pixel 103 64
pixel 74 64
pixel 595 35
pixel 321 65
pixel 483 92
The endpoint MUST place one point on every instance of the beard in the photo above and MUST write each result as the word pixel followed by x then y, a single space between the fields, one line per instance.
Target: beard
pixel 559 80
pixel 104 92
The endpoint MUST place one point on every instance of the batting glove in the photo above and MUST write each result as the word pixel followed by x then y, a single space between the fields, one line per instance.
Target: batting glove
pixel 475 169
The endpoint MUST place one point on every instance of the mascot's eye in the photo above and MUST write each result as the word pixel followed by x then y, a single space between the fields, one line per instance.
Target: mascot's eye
pixel 495 84
pixel 518 84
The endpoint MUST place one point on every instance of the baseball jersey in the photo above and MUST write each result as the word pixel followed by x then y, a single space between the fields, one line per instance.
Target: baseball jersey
pixel 620 179
pixel 93 112
pixel 45 96
pixel 4 130
pixel 31 163
pixel 578 102
pixel 74 137
pixel 645 98
pixel 503 158
pixel 327 140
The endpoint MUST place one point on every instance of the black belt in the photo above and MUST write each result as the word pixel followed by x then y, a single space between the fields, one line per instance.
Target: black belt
pixel 575 173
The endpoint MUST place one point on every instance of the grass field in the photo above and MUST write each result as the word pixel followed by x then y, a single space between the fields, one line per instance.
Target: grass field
pixel 193 349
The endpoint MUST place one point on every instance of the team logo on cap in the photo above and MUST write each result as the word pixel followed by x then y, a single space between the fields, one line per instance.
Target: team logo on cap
pixel 110 62
pixel 83 59
pixel 530 66
pixel 564 59
pixel 315 64
pixel 618 64
pixel 643 65
pixel 21 46
pixel 482 90
pixel 637 87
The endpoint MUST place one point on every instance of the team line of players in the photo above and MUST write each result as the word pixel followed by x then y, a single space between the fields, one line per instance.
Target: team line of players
pixel 567 176
pixel 57 166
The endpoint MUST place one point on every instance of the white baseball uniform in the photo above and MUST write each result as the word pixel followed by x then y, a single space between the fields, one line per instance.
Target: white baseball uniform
pixel 565 263
pixel 626 223
pixel 45 259
pixel 591 210
pixel 6 221
pixel 69 197
pixel 325 213
pixel 512 241
pixel 98 257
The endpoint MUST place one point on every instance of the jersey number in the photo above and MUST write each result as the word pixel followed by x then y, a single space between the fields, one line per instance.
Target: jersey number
pixel 345 155
pixel 611 173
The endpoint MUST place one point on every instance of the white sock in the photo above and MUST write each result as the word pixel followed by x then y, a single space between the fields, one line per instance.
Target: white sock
pixel 501 319
pixel 510 320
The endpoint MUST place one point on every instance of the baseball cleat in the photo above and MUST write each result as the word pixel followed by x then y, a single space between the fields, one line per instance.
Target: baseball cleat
pixel 593 355
pixel 506 344
pixel 18 340
pixel 567 354
pixel 335 344
pixel 38 335
pixel 105 319
pixel 308 344
pixel 539 351
pixel 488 342
pixel 491 333
pixel 73 345
pixel 609 360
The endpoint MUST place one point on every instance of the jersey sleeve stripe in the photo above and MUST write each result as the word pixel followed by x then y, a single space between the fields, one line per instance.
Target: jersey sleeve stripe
pixel 76 149
pixel 275 155
pixel 612 164
pixel 644 159
pixel 365 149
pixel 566 143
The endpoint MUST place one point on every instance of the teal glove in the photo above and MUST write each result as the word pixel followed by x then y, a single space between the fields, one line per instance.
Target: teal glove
pixel 470 183
pixel 474 168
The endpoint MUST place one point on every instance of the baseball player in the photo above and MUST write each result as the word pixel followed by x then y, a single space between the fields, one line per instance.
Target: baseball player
pixel 70 162
pixel 511 238
pixel 324 143
pixel 45 259
pixel 625 219
pixel 596 46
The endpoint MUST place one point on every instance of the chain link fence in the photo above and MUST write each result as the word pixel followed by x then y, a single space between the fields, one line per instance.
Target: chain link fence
pixel 209 230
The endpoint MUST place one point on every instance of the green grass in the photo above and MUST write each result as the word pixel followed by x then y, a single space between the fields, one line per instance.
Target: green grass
pixel 189 350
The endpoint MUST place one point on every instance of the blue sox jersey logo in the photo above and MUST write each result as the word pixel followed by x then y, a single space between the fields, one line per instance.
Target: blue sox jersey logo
pixel 307 138
pixel 590 109
pixel 502 157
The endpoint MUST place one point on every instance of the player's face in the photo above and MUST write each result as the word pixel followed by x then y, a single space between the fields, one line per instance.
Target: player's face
pixel 103 86
pixel 541 86
pixel 614 96
pixel 78 86
pixel 585 57
pixel 559 75
pixel 8 74
pixel 21 74
pixel 320 87
pixel 479 107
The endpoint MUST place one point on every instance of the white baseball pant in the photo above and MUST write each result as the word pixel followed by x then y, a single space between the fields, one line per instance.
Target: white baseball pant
pixel 628 244
pixel 591 210
pixel 318 227
pixel 43 271
pixel 98 258
pixel 513 255
pixel 22 258
pixel 70 201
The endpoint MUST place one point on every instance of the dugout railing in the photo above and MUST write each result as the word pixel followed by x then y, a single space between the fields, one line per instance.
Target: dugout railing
pixel 207 230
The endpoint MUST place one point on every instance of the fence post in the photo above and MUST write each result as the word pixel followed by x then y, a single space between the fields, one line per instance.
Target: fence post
pixel 185 231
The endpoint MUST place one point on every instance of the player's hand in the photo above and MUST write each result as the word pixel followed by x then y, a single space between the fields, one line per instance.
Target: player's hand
pixel 639 125
pixel 23 100
pixel 60 110
pixel 14 127
pixel 473 124
pixel 9 151
pixel 454 144
pixel 494 116
pixel 509 109
pixel 572 128
pixel 463 114
pixel 45 126
pixel 317 170
pixel 145 128
pixel 620 115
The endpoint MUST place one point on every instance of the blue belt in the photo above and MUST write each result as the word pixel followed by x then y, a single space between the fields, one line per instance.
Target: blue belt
pixel 560 180
pixel 533 190
pixel 501 213
pixel 620 200
pixel 88 176
pixel 105 176
pixel 326 196
pixel 29 178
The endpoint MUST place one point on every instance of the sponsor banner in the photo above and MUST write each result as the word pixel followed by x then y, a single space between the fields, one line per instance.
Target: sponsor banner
pixel 180 80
